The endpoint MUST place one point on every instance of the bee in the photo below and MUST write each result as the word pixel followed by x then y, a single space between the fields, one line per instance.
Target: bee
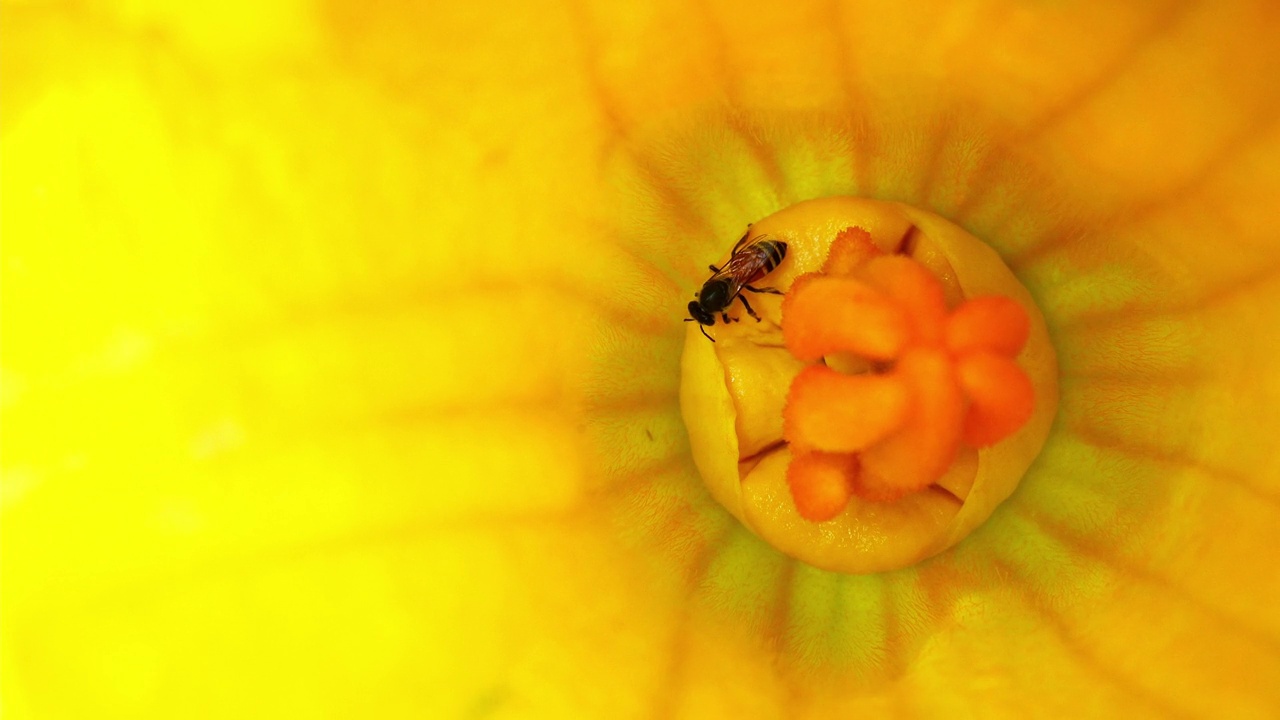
pixel 748 263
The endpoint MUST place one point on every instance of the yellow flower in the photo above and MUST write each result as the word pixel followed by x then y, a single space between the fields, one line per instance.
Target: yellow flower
pixel 341 344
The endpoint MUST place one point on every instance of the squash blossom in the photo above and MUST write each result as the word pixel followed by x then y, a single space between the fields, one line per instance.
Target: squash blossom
pixel 344 370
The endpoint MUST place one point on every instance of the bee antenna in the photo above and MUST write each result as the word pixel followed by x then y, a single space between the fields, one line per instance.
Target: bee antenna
pixel 703 329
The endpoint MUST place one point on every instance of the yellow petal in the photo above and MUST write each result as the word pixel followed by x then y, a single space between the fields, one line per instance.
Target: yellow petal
pixel 341 340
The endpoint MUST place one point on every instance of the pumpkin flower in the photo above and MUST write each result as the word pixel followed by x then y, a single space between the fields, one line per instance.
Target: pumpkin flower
pixel 951 376
pixel 341 358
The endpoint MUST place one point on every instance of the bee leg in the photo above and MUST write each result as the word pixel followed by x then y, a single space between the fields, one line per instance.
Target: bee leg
pixel 747 305
pixel 714 268
pixel 742 239
pixel 771 291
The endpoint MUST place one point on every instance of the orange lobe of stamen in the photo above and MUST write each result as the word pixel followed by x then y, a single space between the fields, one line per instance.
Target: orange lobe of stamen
pixel 918 454
pixel 1001 397
pixel 992 323
pixel 829 411
pixel 913 288
pixel 851 249
pixel 827 314
pixel 821 483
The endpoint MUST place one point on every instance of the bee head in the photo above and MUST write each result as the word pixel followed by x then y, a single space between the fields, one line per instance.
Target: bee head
pixel 697 312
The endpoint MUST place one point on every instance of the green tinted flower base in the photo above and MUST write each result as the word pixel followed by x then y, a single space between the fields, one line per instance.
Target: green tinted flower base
pixel 682 196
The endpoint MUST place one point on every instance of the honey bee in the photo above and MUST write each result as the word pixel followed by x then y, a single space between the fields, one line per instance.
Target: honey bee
pixel 749 262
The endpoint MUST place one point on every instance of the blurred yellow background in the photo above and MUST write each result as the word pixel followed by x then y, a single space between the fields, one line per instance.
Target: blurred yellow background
pixel 340 345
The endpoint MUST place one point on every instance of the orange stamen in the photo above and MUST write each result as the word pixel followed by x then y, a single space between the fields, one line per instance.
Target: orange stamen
pixel 832 314
pixel 1001 397
pixel 833 412
pixel 994 323
pixel 851 249
pixel 821 483
pixel 955 377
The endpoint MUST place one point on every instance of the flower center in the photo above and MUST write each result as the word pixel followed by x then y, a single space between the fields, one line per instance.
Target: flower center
pixel 881 409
